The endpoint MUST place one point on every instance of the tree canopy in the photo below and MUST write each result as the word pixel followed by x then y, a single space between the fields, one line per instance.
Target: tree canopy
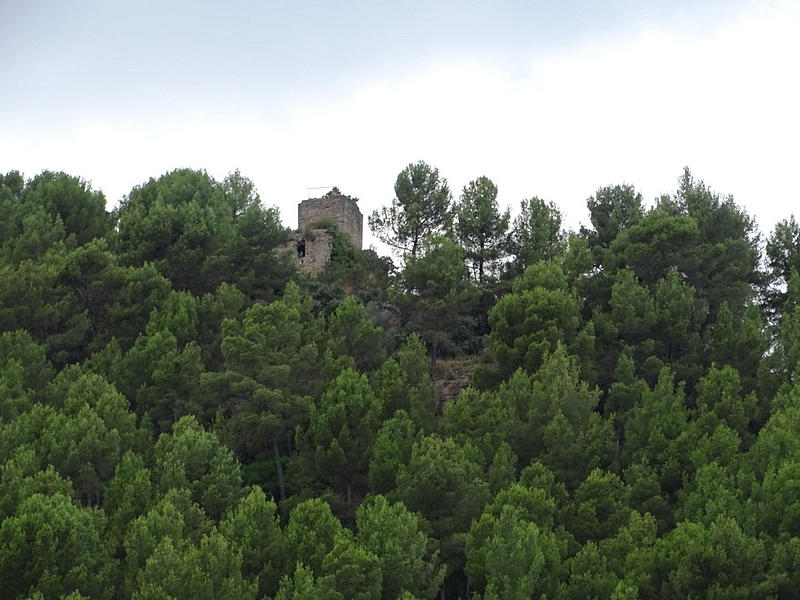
pixel 421 207
pixel 515 411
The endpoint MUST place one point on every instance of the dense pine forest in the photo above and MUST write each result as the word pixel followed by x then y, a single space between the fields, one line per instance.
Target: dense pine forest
pixel 185 415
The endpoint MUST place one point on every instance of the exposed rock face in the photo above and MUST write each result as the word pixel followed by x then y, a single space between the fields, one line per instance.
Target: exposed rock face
pixel 452 377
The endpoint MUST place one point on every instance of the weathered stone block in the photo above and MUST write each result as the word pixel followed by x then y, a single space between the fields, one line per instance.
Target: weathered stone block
pixel 312 245
pixel 340 209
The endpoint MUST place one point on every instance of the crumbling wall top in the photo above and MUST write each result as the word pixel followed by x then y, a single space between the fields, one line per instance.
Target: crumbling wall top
pixel 342 210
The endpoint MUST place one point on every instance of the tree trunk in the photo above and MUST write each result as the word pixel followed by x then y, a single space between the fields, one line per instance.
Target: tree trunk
pixel 349 495
pixel 434 354
pixel 279 465
pixel 480 262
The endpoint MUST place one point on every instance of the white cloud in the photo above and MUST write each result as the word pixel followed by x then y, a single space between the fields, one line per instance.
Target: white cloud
pixel 635 110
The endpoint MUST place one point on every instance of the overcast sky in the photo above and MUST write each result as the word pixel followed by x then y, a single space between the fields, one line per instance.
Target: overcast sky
pixel 552 99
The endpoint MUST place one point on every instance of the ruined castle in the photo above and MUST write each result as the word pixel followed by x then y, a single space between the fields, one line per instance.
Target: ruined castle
pixel 312 242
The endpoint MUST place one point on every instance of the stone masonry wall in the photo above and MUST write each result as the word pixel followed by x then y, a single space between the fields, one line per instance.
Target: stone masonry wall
pixel 312 250
pixel 343 211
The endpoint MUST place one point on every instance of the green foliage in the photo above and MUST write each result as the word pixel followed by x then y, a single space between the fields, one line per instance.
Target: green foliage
pixel 95 429
pixel 270 357
pixel 351 272
pixel 162 376
pixel 555 421
pixel 481 418
pixel 713 494
pixel 209 571
pixel 743 344
pixel 445 485
pixel 420 208
pixel 198 233
pixel 645 493
pixel 342 428
pixel 599 507
pixel 404 382
pixel 310 535
pixel 611 210
pixel 783 259
pixel 128 495
pixel 789 337
pixel 302 586
pixel 720 400
pixel 74 302
pixel 529 322
pixel 18 346
pixel 351 571
pixel 51 212
pixel 193 459
pixel 518 558
pixel 84 441
pixel 21 477
pixel 54 547
pixel 24 371
pixel 252 528
pixel 437 295
pixel 82 210
pixel 276 343
pixel 404 551
pixel 480 227
pixel 33 299
pixel 718 561
pixel 631 430
pixel 391 449
pixel 175 520
pixel 710 242
pixel 653 431
pixel 589 576
pixel 353 333
pixel 536 235
pixel 179 223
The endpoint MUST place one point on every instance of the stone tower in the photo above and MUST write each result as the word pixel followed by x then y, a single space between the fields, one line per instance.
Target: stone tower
pixel 337 207
pixel 312 243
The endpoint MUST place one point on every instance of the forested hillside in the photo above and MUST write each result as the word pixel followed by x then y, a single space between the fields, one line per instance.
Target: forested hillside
pixel 183 415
